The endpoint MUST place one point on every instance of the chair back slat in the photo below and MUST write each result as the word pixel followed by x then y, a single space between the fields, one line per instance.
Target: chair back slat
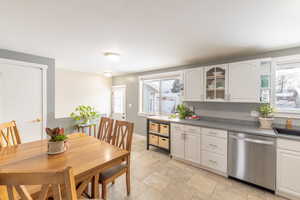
pixel 9 134
pixel 18 180
pixel 105 129
pixel 122 136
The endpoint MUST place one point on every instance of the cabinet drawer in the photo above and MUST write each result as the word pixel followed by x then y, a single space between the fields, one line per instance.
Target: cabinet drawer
pixel 214 144
pixel 163 142
pixel 288 144
pixel 153 139
pixel 214 132
pixel 177 128
pixel 214 161
pixel 192 129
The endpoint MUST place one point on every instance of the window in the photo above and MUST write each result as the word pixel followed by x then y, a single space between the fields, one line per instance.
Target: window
pixel 160 94
pixel 287 87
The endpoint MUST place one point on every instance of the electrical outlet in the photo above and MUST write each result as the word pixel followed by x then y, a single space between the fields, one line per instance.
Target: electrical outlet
pixel 254 113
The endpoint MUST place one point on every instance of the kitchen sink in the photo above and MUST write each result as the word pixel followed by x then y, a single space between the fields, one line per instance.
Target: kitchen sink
pixel 285 131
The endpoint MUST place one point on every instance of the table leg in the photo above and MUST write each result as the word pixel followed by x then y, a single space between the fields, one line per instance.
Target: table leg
pixel 95 130
pixel 90 131
pixel 95 187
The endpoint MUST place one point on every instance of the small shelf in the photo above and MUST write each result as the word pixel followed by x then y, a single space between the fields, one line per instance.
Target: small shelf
pixel 158 134
pixel 217 89
pixel 159 147
pixel 214 77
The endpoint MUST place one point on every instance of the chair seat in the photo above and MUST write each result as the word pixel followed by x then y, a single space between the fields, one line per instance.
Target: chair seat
pixel 112 171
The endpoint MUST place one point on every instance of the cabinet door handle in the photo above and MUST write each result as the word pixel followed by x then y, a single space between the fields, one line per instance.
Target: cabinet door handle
pixel 213 161
pixel 212 133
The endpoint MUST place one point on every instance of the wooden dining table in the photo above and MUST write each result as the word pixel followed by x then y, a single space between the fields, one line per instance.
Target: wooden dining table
pixel 86 155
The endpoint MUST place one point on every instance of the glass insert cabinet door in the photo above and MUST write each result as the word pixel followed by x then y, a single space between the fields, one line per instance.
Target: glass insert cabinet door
pixel 215 83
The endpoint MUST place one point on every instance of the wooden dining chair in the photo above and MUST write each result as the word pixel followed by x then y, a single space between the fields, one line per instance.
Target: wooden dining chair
pixel 122 138
pixel 16 182
pixel 105 129
pixel 9 134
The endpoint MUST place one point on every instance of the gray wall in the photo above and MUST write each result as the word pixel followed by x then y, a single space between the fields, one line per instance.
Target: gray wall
pixel 50 62
pixel 239 111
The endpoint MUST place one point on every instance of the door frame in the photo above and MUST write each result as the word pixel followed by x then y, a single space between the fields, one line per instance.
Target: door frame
pixel 125 89
pixel 44 69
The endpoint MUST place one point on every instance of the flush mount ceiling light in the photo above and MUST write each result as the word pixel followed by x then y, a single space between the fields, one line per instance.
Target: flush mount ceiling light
pixel 112 56
pixel 107 74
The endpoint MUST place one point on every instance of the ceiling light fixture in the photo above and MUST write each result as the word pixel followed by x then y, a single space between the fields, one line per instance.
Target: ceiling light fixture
pixel 107 74
pixel 112 56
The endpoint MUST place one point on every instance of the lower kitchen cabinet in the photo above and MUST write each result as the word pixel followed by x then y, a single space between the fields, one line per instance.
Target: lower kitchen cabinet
pixel 203 146
pixel 214 161
pixel 288 165
pixel 191 147
pixel 185 142
pixel 177 141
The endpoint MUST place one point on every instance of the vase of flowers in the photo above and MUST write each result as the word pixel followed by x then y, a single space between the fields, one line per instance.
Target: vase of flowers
pixel 84 114
pixel 57 141
pixel 266 116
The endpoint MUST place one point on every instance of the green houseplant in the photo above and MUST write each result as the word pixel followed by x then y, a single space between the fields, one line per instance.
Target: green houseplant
pixel 183 111
pixel 84 114
pixel 266 116
pixel 57 141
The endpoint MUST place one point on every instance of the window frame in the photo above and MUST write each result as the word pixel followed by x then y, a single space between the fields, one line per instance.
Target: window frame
pixel 282 113
pixel 153 77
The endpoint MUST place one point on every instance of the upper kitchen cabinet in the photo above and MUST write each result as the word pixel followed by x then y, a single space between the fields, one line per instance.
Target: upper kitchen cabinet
pixel 216 82
pixel 249 81
pixel 193 85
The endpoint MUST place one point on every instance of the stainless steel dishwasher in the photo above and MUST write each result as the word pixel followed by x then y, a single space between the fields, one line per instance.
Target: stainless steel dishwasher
pixel 252 159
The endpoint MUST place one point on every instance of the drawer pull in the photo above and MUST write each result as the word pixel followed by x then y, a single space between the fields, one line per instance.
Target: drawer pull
pixel 212 133
pixel 213 145
pixel 213 161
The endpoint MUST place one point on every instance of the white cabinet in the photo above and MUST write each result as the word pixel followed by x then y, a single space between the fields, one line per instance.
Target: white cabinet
pixel 191 148
pixel 193 84
pixel 215 81
pixel 214 149
pixel 244 82
pixel 288 165
pixel 177 142
pixel 185 142
pixel 203 146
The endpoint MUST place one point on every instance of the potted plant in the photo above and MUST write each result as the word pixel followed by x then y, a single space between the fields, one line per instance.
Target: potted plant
pixel 183 111
pixel 84 114
pixel 266 116
pixel 57 141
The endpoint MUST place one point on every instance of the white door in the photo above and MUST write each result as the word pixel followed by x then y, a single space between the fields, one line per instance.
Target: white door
pixel 21 98
pixel 119 102
pixel 194 84
pixel 288 176
pixel 192 147
pixel 177 143
pixel 244 82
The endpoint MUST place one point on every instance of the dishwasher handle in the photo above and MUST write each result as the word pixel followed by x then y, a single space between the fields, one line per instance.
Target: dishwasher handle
pixel 252 140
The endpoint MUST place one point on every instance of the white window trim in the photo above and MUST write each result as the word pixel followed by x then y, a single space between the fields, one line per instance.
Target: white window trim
pixel 159 76
pixel 282 113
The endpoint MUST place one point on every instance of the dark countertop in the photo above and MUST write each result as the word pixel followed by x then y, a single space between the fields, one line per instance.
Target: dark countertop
pixel 224 124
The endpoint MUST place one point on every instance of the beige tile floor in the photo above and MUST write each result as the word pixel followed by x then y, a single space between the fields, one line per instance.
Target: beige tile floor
pixel 157 177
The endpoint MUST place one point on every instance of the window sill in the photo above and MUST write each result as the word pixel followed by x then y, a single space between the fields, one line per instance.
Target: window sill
pixel 287 115
pixel 141 114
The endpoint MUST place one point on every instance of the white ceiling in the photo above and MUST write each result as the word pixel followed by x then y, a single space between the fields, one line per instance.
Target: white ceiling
pixel 148 34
